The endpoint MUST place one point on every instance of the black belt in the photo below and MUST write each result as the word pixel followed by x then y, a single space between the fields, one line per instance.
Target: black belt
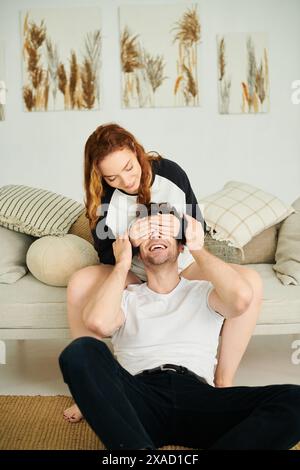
pixel 179 369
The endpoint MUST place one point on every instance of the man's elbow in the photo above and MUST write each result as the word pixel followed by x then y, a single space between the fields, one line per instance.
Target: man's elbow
pixel 100 329
pixel 96 326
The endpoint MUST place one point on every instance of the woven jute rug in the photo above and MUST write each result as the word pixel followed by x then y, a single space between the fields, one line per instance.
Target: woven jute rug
pixel 36 423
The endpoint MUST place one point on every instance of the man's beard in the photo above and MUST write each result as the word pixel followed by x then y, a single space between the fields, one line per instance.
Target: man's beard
pixel 158 261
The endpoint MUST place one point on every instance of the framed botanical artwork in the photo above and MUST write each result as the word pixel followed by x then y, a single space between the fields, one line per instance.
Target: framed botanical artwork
pixel 159 53
pixel 61 59
pixel 3 86
pixel 243 73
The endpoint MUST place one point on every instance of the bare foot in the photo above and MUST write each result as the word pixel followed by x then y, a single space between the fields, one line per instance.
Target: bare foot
pixel 73 414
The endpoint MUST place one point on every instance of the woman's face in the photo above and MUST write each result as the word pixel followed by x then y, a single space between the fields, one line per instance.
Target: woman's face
pixel 121 170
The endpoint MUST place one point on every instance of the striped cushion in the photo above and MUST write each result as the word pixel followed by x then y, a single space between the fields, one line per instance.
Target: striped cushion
pixel 37 212
pixel 241 211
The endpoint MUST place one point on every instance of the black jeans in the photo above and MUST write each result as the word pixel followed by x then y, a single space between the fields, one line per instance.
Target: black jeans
pixel 134 412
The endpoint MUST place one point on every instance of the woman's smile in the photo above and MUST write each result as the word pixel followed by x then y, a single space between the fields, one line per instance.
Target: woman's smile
pixel 132 186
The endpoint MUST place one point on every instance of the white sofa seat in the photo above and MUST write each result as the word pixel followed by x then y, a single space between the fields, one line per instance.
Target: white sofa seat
pixel 31 309
pixel 280 312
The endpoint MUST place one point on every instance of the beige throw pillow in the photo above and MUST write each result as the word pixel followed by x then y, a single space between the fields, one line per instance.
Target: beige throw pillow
pixel 81 228
pixel 241 211
pixel 287 266
pixel 262 247
pixel 53 260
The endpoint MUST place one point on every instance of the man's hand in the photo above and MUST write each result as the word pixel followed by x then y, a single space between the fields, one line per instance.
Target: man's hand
pixel 194 234
pixel 122 251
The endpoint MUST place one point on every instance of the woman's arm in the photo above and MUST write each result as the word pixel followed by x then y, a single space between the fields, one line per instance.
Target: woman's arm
pixel 193 208
pixel 173 172
pixel 104 246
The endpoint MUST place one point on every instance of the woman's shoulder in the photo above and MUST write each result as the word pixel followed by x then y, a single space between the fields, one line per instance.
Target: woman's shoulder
pixel 168 168
pixel 107 194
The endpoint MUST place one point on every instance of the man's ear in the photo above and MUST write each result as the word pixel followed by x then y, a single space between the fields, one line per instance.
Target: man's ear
pixel 181 248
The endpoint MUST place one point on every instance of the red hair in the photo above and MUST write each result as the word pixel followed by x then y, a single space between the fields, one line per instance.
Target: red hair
pixel 103 141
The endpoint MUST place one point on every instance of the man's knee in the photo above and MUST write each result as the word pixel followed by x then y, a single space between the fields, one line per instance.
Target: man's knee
pixel 292 397
pixel 254 279
pixel 293 419
pixel 78 349
pixel 288 405
pixel 83 280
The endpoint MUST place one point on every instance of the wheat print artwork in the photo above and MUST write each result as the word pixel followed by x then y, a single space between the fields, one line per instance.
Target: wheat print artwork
pixel 2 83
pixel 243 73
pixel 61 59
pixel 159 55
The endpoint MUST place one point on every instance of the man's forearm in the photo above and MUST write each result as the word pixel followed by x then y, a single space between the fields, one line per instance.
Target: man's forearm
pixel 229 284
pixel 101 312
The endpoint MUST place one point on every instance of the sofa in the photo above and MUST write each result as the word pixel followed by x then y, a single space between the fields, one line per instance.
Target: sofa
pixel 32 309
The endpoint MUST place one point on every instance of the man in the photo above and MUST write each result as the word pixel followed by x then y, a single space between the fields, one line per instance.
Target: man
pixel 165 334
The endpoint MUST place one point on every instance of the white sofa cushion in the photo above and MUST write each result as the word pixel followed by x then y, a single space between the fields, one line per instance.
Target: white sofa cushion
pixel 32 304
pixel 287 256
pixel 281 304
pixel 13 249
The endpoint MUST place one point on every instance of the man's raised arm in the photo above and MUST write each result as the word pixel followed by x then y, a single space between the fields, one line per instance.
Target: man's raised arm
pixel 233 293
pixel 103 314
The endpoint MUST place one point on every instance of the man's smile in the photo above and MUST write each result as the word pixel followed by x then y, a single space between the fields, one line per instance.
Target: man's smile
pixel 158 246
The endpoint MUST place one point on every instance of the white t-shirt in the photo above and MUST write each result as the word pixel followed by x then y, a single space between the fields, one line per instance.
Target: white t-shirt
pixel 175 328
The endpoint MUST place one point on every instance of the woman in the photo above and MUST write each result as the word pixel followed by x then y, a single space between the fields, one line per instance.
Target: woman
pixel 119 174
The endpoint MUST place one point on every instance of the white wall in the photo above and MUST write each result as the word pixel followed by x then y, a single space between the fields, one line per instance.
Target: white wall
pixel 46 149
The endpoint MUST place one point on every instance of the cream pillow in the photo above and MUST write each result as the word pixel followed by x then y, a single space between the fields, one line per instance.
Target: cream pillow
pixel 13 249
pixel 36 211
pixel 287 257
pixel 53 260
pixel 240 211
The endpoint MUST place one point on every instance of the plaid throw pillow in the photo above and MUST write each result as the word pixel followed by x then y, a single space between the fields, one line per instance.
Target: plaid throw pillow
pixel 37 212
pixel 240 211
